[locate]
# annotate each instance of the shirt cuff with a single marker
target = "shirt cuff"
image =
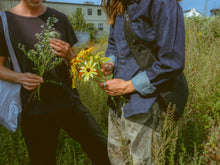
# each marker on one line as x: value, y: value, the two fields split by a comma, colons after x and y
x: 142, y: 84
x: 112, y: 57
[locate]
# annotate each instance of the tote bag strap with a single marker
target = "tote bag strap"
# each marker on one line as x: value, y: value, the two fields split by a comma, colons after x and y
x: 8, y: 41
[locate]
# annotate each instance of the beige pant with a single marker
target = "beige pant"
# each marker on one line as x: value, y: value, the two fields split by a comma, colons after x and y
x: 130, y: 139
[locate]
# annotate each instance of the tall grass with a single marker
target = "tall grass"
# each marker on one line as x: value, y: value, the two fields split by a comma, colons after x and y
x: 193, y: 140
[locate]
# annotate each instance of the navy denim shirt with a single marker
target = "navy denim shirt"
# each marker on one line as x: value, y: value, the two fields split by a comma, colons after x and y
x: 160, y: 24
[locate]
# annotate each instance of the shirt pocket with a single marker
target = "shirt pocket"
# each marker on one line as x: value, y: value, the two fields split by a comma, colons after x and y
x: 144, y: 31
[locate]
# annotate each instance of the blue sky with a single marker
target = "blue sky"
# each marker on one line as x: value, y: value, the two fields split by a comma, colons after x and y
x: 186, y: 4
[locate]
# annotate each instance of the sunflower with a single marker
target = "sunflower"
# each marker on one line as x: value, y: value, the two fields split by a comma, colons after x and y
x: 88, y: 70
x: 88, y: 50
x: 75, y: 61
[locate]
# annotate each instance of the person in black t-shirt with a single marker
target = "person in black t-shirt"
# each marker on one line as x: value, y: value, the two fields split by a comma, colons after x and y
x: 60, y: 105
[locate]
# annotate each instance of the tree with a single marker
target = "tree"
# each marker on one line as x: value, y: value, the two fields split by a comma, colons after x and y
x: 78, y: 21
x: 79, y: 24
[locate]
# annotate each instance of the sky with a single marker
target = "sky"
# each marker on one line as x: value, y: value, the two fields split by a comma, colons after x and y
x: 186, y: 4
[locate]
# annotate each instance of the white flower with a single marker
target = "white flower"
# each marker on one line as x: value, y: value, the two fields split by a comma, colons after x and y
x: 54, y: 34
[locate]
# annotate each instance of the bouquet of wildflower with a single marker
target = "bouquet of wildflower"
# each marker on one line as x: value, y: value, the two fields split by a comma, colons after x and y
x: 42, y: 56
x: 86, y: 66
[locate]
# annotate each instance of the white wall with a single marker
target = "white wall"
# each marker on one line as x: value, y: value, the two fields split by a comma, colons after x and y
x: 68, y: 9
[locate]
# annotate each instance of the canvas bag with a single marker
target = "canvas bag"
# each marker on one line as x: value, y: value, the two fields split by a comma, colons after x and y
x: 10, y: 100
x: 175, y: 91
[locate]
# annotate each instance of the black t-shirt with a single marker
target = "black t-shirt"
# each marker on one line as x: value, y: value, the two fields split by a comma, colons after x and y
x: 22, y: 30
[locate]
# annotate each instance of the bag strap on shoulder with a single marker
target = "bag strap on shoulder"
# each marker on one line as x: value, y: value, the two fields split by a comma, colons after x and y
x: 142, y: 52
x: 8, y: 41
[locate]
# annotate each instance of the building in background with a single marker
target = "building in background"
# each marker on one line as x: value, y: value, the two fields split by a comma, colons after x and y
x: 192, y: 13
x: 7, y: 4
x: 93, y: 14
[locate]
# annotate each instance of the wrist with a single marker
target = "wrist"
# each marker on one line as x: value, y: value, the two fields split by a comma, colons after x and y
x: 129, y: 87
x: 17, y: 78
x: 70, y: 57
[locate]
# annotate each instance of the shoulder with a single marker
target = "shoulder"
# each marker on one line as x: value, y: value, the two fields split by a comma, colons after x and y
x: 166, y: 2
x: 59, y: 15
x: 157, y: 2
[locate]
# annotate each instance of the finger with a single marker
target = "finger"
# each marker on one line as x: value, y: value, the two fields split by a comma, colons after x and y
x: 33, y: 78
x: 57, y: 41
x: 64, y: 45
x: 29, y: 88
x: 103, y: 69
x: 58, y: 53
x: 57, y: 47
x: 109, y: 67
x: 109, y: 93
x: 102, y: 85
x: 106, y: 73
x: 32, y: 81
x: 31, y: 84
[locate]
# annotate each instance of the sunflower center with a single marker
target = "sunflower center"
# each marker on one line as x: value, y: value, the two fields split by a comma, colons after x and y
x: 88, y: 69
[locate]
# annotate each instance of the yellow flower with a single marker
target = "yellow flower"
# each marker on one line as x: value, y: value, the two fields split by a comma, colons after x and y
x: 88, y: 70
x: 199, y: 34
x: 97, y: 56
x: 74, y: 72
x: 104, y: 60
x: 87, y: 51
x: 75, y: 61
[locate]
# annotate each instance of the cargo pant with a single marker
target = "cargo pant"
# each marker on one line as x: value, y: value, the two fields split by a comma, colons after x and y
x: 130, y: 139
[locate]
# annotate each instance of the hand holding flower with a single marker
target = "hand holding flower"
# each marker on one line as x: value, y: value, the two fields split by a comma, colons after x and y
x: 117, y: 87
x: 107, y: 68
x: 62, y: 49
x: 87, y: 66
x: 43, y: 56
x: 29, y: 81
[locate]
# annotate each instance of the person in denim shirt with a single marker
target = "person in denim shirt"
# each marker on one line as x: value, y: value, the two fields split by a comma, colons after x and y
x: 160, y: 24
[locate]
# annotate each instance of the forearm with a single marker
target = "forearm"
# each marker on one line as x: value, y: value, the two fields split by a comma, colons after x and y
x: 8, y: 75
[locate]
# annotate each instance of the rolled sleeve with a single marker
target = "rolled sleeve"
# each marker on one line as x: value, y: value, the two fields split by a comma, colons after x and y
x: 112, y: 57
x: 142, y: 84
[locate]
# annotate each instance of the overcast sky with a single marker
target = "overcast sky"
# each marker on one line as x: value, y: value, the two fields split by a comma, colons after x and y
x: 186, y: 4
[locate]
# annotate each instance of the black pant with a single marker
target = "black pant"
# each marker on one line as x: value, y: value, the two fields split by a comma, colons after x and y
x: 41, y: 135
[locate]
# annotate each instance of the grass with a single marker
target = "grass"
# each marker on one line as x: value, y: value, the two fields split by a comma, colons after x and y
x: 193, y: 140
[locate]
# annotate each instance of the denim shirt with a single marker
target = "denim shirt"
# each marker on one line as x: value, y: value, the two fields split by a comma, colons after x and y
x: 160, y: 24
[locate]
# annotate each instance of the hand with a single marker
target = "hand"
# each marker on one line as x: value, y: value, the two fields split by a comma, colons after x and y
x: 29, y: 81
x: 62, y: 49
x: 107, y: 68
x: 117, y: 87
